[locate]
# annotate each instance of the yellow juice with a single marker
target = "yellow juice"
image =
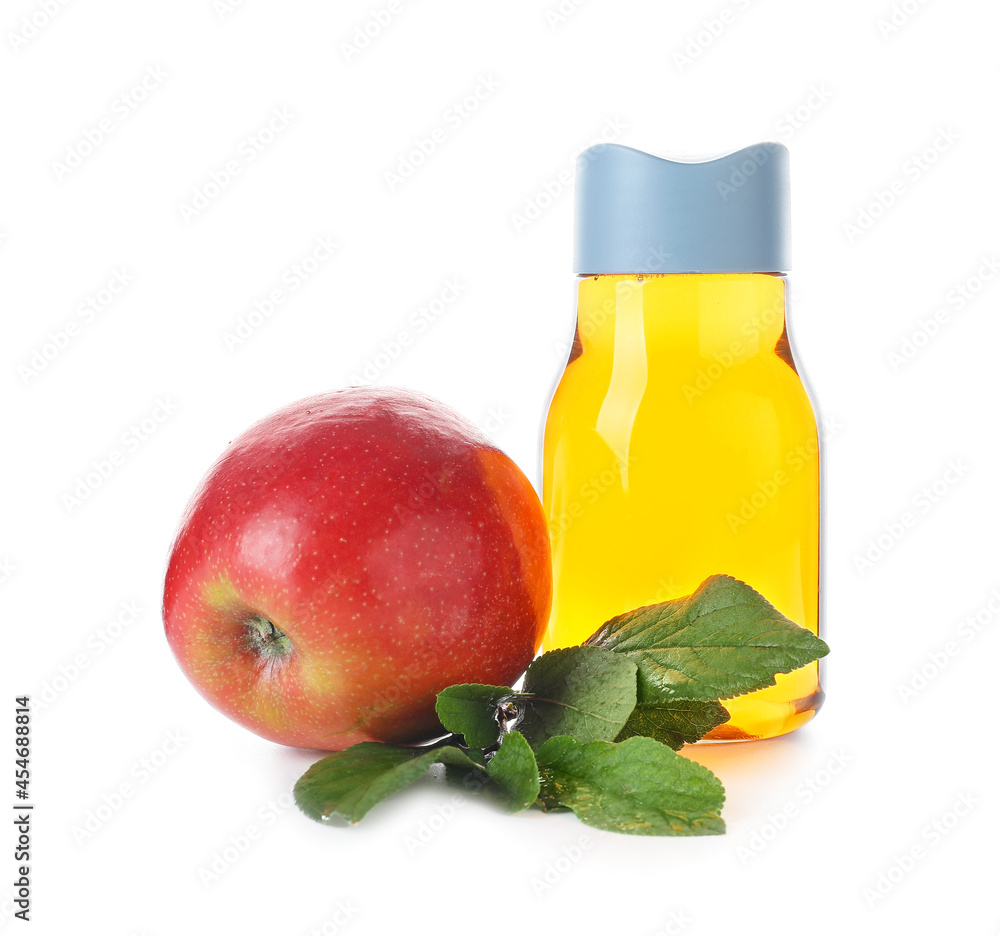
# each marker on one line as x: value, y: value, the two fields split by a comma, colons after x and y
x: 681, y: 443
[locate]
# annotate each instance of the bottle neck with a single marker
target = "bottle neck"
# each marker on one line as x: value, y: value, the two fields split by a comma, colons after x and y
x: 704, y: 314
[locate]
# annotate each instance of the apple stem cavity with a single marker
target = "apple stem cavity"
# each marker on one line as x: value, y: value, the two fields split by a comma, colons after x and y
x: 266, y: 640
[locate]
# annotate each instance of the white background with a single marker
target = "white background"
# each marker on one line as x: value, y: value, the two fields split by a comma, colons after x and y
x: 863, y: 109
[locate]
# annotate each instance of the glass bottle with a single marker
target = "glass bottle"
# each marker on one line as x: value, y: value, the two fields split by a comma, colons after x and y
x: 680, y: 441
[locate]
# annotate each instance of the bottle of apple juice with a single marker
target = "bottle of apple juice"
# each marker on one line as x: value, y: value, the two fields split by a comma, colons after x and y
x: 680, y: 442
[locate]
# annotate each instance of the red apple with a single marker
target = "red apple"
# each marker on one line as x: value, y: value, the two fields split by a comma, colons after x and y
x: 346, y: 559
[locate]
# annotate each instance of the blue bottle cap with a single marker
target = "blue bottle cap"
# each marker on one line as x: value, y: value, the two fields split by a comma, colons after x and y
x: 638, y: 213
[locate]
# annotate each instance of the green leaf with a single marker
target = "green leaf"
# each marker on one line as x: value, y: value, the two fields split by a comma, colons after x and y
x: 722, y: 641
x: 585, y: 692
x: 351, y: 782
x: 515, y: 769
x: 470, y: 710
x: 638, y: 786
x: 674, y: 722
x: 474, y: 780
